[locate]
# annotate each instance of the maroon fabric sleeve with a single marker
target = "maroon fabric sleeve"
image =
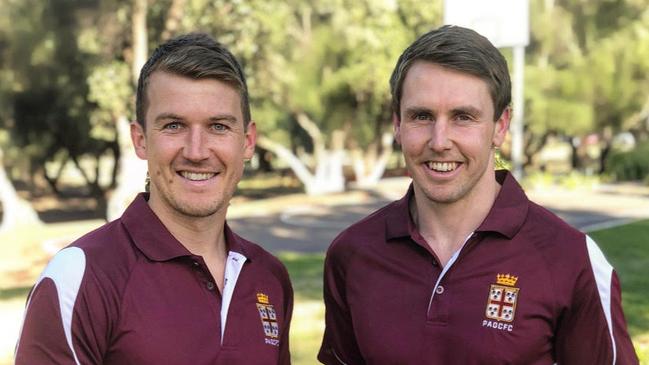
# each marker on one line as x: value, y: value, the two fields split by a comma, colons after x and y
x: 583, y: 336
x: 284, y: 351
x: 339, y: 344
x: 43, y: 340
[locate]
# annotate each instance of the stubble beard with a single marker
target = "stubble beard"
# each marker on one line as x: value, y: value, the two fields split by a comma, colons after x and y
x: 186, y: 209
x: 212, y: 204
x: 433, y: 194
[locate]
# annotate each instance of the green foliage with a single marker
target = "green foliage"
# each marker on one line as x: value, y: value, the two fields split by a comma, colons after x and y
x: 630, y: 165
x: 330, y: 59
x: 587, y: 68
x: 109, y: 87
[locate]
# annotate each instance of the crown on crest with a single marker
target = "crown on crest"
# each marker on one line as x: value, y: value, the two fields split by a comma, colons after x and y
x: 262, y: 298
x: 509, y: 280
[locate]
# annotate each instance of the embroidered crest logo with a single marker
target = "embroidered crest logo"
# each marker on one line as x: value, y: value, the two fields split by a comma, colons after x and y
x: 268, y: 319
x: 501, y: 304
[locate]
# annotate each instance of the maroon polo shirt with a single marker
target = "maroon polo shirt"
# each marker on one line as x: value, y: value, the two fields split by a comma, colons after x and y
x: 525, y: 288
x: 130, y: 293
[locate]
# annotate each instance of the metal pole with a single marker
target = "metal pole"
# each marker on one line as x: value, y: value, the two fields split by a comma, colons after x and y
x: 518, y: 112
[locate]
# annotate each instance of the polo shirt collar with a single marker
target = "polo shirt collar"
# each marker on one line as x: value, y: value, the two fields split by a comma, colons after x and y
x: 398, y: 222
x: 154, y: 239
x: 509, y: 210
x: 506, y: 216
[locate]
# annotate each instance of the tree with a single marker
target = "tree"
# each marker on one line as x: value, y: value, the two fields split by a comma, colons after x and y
x: 15, y: 210
x: 571, y: 42
x: 318, y: 72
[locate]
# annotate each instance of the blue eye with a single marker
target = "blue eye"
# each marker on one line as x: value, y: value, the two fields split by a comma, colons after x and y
x: 172, y: 126
x: 464, y: 118
x: 218, y: 127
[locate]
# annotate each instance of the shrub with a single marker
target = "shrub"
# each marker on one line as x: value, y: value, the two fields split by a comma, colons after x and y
x: 631, y: 165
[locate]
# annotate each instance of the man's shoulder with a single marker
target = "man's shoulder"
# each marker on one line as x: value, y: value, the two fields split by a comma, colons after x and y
x: 555, y: 239
x: 546, y: 222
x: 107, y: 252
x: 109, y: 239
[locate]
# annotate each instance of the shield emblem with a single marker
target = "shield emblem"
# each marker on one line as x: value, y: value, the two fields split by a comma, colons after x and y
x: 268, y: 317
x: 501, y: 305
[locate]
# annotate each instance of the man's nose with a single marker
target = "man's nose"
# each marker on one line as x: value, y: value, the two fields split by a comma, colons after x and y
x: 196, y: 148
x: 439, y: 136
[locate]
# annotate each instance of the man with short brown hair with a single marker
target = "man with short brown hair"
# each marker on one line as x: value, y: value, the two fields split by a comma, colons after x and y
x: 169, y: 282
x: 465, y: 269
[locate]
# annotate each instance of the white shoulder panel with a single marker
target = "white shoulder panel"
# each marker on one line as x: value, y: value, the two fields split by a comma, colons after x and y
x: 603, y: 272
x: 66, y: 271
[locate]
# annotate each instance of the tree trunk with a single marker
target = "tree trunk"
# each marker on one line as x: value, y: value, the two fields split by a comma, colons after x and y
x: 369, y: 166
x: 174, y: 15
x: 140, y: 37
x: 328, y: 176
x: 132, y: 170
x: 15, y: 210
x: 132, y: 173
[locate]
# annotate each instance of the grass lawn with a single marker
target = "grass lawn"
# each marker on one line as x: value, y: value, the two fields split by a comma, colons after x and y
x: 626, y: 247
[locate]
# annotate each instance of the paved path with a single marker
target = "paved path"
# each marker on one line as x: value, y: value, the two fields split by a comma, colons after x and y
x: 300, y: 223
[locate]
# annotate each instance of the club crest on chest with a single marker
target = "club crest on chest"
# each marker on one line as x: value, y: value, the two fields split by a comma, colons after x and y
x: 503, y: 296
x: 268, y: 317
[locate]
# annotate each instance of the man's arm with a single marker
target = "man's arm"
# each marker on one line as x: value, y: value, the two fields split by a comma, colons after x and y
x: 593, y: 330
x: 284, y: 350
x: 339, y: 343
x: 60, y: 325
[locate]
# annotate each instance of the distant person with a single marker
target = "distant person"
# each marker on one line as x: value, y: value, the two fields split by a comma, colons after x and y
x: 464, y: 269
x: 169, y: 282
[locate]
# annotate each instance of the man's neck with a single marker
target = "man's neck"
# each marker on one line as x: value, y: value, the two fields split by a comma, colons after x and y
x: 446, y: 226
x: 202, y: 236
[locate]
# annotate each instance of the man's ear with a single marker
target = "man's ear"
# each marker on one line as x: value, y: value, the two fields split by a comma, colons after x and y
x: 396, y: 124
x: 501, y: 127
x: 139, y: 140
x: 250, y: 140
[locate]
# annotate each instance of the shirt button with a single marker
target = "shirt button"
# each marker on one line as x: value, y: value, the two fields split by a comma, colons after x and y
x: 439, y: 290
x: 210, y: 285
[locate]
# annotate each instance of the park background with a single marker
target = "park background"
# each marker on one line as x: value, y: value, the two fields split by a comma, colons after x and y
x: 318, y: 77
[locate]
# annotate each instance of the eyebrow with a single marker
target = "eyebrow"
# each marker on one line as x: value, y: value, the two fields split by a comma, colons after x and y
x: 223, y: 117
x: 217, y: 118
x: 467, y: 109
x: 167, y: 116
x: 417, y: 110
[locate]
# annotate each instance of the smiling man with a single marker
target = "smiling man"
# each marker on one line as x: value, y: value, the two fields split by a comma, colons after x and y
x: 464, y: 269
x: 169, y: 282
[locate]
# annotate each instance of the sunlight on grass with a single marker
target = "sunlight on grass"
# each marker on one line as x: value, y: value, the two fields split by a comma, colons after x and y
x: 11, y: 314
x: 307, y: 328
x: 28, y: 249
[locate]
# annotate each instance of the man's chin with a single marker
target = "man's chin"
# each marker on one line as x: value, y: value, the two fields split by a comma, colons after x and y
x: 200, y: 209
x: 198, y: 212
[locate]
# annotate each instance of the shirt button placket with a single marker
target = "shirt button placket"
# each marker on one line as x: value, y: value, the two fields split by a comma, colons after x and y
x: 210, y: 286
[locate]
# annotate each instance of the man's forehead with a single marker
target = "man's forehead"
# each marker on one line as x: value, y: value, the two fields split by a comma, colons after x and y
x: 428, y: 82
x: 169, y: 83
